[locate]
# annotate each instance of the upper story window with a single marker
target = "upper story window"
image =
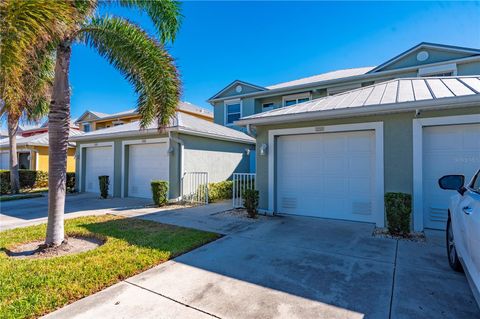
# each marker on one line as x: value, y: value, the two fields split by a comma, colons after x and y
x: 268, y: 106
x: 295, y: 99
x: 233, y: 111
x: 439, y: 70
x: 117, y: 123
x: 86, y: 128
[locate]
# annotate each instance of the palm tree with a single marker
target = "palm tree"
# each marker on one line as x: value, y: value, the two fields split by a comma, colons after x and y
x: 143, y: 61
x: 27, y: 30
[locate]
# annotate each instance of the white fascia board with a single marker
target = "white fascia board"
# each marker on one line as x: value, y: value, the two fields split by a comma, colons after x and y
x: 444, y: 103
x: 362, y: 77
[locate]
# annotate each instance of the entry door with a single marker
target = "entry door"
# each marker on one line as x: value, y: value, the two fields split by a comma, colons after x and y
x: 327, y: 175
x: 99, y: 161
x: 447, y: 149
x: 146, y: 162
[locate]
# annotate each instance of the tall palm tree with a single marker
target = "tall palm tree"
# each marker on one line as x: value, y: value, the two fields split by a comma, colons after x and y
x: 27, y: 30
x: 141, y: 58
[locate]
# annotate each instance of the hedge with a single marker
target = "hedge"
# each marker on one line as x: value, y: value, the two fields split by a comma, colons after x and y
x: 219, y: 191
x: 30, y: 179
x: 399, y: 210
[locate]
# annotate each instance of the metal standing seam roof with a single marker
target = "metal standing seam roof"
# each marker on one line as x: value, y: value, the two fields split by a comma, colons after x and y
x: 395, y: 92
x: 36, y: 140
x: 337, y: 74
x: 181, y: 122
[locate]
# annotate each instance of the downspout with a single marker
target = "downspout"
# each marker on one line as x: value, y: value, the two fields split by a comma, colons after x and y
x: 182, y: 163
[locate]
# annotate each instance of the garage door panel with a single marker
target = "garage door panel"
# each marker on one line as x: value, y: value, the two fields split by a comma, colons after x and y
x: 146, y: 162
x: 448, y: 149
x: 98, y: 162
x: 335, y: 180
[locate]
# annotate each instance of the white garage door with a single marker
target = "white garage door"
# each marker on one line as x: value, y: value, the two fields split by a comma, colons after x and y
x: 327, y: 175
x: 98, y: 162
x: 4, y: 160
x: 146, y: 162
x: 449, y: 149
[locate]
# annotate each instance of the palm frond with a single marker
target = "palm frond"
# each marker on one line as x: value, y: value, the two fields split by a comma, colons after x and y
x: 26, y: 27
x: 144, y: 63
x: 165, y: 15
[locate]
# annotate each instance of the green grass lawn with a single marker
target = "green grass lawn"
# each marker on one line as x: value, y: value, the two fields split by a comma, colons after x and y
x: 6, y: 198
x: 33, y: 287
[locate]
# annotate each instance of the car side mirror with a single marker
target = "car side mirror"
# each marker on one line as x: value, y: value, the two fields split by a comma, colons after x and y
x: 452, y: 182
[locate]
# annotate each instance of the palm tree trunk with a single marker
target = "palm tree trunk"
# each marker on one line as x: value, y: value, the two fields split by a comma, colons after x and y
x: 58, y: 129
x: 12, y: 139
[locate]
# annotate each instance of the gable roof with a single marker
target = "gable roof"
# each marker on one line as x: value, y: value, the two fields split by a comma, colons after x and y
x: 186, y: 106
x: 181, y: 122
x: 234, y: 83
x: 425, y: 45
x: 36, y: 140
x: 332, y: 75
x: 391, y: 96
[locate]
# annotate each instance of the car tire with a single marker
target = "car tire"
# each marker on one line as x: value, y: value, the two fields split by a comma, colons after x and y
x: 453, y: 259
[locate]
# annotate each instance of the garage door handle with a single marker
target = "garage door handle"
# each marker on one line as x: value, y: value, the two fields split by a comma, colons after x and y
x: 467, y: 210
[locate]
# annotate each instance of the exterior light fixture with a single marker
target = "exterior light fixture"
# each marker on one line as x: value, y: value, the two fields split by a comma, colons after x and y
x: 263, y: 149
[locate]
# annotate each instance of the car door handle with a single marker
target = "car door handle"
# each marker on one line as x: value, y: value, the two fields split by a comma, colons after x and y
x: 467, y: 210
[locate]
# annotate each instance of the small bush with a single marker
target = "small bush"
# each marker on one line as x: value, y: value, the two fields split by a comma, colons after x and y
x: 219, y: 191
x: 4, y: 182
x: 399, y: 209
x: 160, y: 192
x: 250, y: 201
x: 104, y: 182
x: 70, y: 182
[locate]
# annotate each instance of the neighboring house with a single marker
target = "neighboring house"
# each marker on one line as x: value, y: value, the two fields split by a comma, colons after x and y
x: 132, y: 157
x: 332, y: 145
x: 32, y: 152
x: 91, y: 121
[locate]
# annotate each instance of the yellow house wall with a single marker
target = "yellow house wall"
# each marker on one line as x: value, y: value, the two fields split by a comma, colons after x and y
x: 43, y: 159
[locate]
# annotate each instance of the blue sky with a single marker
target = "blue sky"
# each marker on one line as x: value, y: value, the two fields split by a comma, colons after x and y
x: 270, y: 42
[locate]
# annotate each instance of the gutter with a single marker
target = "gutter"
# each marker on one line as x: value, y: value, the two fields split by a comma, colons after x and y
x: 366, y: 76
x: 441, y: 104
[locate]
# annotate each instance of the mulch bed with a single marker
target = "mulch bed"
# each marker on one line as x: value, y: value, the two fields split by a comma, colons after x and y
x: 384, y: 233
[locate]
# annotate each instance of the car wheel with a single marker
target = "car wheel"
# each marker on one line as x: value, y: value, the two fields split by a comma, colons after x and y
x: 451, y: 248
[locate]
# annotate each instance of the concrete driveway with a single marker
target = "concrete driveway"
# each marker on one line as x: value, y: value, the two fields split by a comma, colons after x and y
x: 292, y: 267
x: 31, y: 211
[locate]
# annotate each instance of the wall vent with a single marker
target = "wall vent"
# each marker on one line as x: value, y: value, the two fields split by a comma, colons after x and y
x: 289, y: 202
x: 438, y: 214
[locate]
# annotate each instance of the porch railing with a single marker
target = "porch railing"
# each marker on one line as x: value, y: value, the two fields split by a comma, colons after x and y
x: 241, y: 182
x: 194, y: 187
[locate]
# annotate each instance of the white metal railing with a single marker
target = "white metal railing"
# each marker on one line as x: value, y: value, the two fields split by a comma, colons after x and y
x: 194, y: 187
x: 241, y: 182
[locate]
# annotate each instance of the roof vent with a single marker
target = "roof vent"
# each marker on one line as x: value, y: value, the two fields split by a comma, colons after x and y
x: 422, y: 56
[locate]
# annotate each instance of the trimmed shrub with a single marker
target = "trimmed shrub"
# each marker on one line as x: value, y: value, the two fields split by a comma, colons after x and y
x: 104, y: 182
x: 160, y: 192
x: 219, y: 191
x: 28, y: 179
x: 250, y: 201
x: 70, y: 182
x: 399, y: 209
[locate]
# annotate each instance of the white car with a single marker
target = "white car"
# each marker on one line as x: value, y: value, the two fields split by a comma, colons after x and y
x: 463, y: 228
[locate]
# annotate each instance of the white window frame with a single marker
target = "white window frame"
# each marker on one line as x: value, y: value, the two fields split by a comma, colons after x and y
x: 418, y: 125
x: 379, y: 159
x: 80, y: 173
x: 225, y: 107
x: 443, y: 68
x: 296, y: 97
x: 136, y: 142
x: 89, y: 125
